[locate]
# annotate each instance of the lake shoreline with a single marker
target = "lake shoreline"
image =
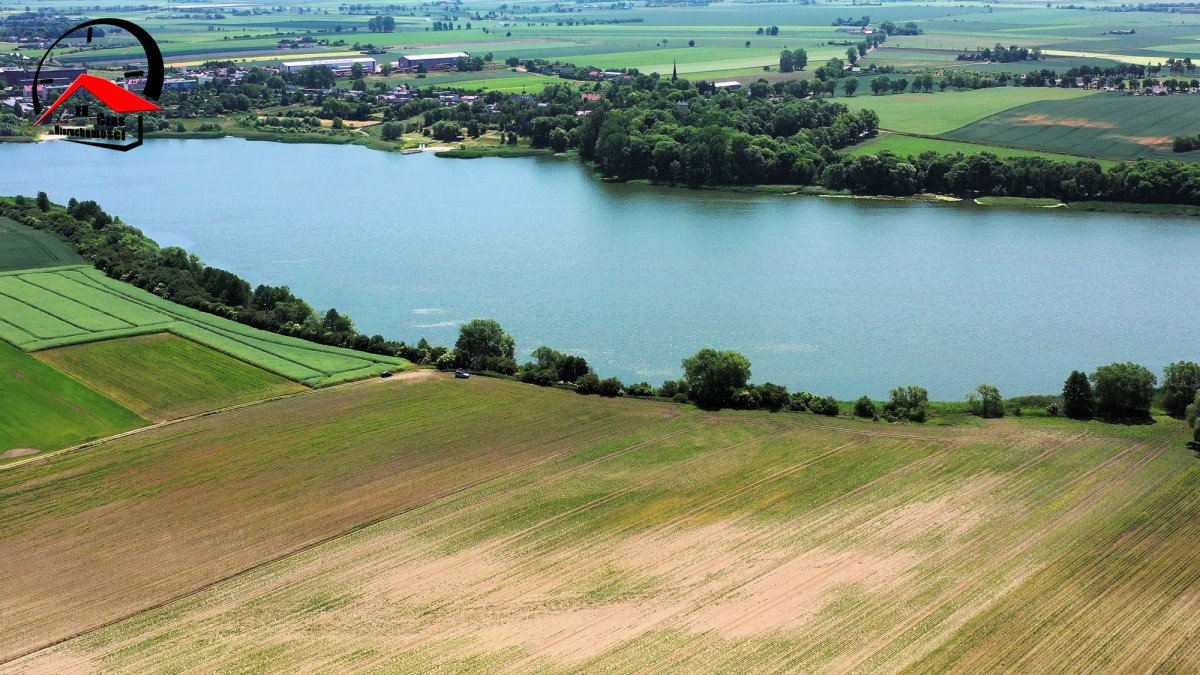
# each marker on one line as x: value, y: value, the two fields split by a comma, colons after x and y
x: 836, y: 295
x: 511, y: 152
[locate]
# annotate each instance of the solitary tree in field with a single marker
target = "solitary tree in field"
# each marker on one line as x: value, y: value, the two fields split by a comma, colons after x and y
x: 714, y: 377
x: 1078, y: 403
x: 850, y: 85
x: 1181, y: 381
x: 43, y: 202
x: 986, y: 402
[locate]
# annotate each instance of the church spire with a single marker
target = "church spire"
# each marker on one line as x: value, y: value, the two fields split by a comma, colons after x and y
x: 674, y: 71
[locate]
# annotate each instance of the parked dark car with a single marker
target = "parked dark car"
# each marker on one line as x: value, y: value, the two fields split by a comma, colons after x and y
x: 461, y: 374
x: 386, y: 373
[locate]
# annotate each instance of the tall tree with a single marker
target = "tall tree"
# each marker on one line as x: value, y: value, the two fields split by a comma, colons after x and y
x: 1123, y: 390
x: 481, y: 342
x: 986, y: 402
x: 1078, y: 403
x: 1181, y: 381
x: 714, y: 377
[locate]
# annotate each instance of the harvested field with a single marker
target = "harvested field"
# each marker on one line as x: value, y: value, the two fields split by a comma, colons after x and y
x: 688, y: 541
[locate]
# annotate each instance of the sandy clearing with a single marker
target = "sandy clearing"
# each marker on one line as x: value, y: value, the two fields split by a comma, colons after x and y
x: 1149, y: 141
x: 19, y: 452
x: 1047, y: 121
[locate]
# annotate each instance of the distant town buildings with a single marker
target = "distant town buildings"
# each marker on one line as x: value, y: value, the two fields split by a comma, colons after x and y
x: 430, y: 61
x: 340, y: 67
x: 22, y: 77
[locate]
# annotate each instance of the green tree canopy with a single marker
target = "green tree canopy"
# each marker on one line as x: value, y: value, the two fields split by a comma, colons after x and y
x: 714, y: 377
x: 1181, y: 381
x: 909, y: 403
x: 986, y: 402
x: 482, y: 341
x: 1123, y: 390
x: 1078, y: 402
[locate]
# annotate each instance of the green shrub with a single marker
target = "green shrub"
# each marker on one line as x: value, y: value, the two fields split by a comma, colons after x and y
x: 864, y: 407
x: 587, y: 383
x: 610, y: 387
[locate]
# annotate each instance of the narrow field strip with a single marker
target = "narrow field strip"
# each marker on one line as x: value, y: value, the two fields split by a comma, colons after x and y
x: 60, y: 307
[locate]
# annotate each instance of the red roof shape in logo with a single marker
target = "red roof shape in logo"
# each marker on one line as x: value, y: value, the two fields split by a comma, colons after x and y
x: 118, y: 99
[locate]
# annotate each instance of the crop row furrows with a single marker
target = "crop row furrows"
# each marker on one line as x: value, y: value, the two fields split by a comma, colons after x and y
x: 253, y: 344
x: 57, y: 315
x: 99, y: 310
x: 267, y: 337
x: 266, y: 589
x: 957, y: 592
x: 816, y: 637
x: 813, y: 637
x: 534, y: 561
x: 649, y: 478
x: 38, y: 331
x: 750, y: 546
x: 1111, y: 575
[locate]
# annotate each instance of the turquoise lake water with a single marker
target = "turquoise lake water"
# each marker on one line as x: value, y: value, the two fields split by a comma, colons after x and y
x: 834, y: 296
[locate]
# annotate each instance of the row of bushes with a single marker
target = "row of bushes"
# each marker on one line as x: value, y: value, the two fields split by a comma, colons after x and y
x: 716, y: 379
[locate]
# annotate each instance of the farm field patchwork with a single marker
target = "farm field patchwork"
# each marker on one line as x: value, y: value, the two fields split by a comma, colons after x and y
x: 43, y: 409
x: 914, y: 145
x: 1123, y: 127
x: 163, y: 376
x: 22, y: 248
x: 618, y: 533
x: 939, y: 113
x: 63, y: 307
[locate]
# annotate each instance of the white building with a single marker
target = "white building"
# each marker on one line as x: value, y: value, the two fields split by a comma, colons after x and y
x: 338, y: 66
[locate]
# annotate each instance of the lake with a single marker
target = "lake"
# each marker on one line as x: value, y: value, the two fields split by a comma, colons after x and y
x: 833, y: 296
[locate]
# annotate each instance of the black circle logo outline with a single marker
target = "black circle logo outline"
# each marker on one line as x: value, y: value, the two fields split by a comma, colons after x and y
x: 154, y: 59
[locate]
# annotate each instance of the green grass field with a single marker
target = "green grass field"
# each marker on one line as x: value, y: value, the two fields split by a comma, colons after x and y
x: 23, y: 248
x: 942, y: 112
x: 914, y: 145
x: 162, y: 376
x: 510, y: 526
x: 1124, y: 127
x: 43, y: 409
x: 61, y: 307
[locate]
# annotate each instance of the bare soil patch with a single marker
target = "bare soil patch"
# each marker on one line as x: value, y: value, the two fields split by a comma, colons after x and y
x: 1047, y: 121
